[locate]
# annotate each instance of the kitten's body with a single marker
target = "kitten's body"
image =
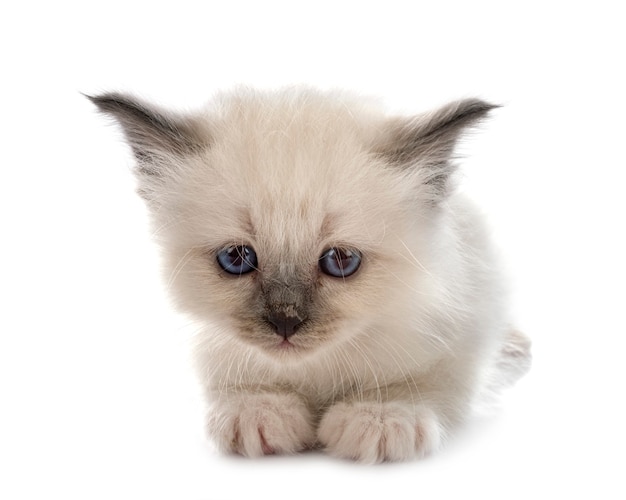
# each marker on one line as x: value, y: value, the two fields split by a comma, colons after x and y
x: 381, y: 363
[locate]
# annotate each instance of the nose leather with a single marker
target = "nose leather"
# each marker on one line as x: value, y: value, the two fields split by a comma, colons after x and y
x: 285, y: 325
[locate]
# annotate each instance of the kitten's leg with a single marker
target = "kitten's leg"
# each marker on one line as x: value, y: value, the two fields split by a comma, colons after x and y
x: 254, y: 424
x: 409, y: 423
x: 402, y: 420
x: 372, y: 432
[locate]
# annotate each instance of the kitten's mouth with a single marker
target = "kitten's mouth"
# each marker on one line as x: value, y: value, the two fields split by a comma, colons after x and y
x: 289, y: 346
x: 301, y: 341
x: 286, y: 345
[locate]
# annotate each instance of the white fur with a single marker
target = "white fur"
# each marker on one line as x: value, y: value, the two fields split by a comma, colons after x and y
x: 255, y: 424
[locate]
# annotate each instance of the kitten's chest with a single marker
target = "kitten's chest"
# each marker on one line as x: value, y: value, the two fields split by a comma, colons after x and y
x: 346, y: 378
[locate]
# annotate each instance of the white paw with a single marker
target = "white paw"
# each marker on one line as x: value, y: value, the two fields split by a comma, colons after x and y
x: 261, y: 424
x: 375, y: 432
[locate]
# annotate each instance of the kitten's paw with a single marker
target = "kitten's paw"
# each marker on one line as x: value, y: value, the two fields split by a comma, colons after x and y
x: 261, y: 424
x: 373, y: 432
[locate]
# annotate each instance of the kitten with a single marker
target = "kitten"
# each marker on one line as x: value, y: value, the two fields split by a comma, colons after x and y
x: 349, y: 296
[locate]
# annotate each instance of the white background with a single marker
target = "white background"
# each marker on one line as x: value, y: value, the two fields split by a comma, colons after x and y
x: 97, y: 399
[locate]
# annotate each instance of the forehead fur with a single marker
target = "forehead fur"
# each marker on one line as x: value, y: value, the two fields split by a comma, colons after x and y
x: 293, y: 167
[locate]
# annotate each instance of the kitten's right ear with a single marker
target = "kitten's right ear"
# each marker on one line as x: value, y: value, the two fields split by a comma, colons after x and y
x: 426, y: 143
x: 155, y: 136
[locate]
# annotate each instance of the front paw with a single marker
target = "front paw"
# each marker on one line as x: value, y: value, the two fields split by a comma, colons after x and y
x: 261, y: 424
x: 374, y: 432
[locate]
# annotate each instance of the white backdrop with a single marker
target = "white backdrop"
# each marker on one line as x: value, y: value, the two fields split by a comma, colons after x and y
x: 97, y: 399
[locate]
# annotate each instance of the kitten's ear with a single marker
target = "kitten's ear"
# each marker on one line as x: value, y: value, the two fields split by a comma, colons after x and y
x: 154, y: 135
x: 427, y: 142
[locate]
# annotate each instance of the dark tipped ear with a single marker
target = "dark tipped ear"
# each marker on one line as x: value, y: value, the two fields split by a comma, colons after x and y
x: 151, y: 133
x: 428, y: 141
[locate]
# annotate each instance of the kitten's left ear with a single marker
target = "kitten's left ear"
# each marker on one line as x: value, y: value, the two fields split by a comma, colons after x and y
x: 427, y: 142
x: 155, y: 136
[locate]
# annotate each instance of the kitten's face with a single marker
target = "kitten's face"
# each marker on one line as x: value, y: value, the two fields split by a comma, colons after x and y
x: 293, y: 222
x: 301, y: 200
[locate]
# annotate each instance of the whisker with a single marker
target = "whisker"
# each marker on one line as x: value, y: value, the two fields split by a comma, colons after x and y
x: 179, y: 267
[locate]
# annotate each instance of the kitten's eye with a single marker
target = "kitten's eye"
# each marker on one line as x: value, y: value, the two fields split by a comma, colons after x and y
x: 340, y: 262
x: 237, y: 260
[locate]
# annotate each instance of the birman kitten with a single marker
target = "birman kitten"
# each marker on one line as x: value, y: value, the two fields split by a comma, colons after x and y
x: 348, y: 294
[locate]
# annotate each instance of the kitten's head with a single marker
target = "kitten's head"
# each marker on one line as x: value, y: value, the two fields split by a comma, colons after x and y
x: 295, y: 220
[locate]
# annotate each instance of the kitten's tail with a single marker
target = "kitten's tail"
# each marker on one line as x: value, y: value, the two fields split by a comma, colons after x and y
x: 514, y: 358
x: 511, y: 362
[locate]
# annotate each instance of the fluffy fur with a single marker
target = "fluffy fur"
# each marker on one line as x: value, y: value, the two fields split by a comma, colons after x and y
x: 386, y: 361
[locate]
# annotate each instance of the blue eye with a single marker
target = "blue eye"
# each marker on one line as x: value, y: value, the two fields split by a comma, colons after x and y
x: 237, y: 260
x: 340, y: 262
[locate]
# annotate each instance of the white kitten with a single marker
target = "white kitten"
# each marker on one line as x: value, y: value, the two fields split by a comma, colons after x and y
x: 349, y: 295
